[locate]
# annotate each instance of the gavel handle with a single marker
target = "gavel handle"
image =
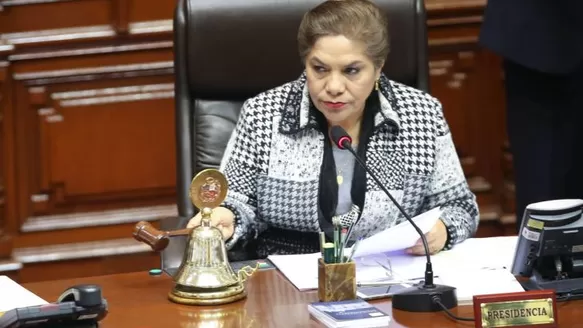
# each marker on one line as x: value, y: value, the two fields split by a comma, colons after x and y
x: 181, y: 232
x: 157, y: 239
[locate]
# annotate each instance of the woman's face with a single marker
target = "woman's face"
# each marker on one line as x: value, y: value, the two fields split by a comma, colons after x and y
x: 340, y: 78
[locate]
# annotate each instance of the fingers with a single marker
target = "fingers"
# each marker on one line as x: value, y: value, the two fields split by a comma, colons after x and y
x: 419, y: 249
x: 217, y: 220
x: 226, y: 230
x: 194, y: 222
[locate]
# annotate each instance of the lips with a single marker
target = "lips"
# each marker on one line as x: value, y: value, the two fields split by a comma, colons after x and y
x: 334, y: 105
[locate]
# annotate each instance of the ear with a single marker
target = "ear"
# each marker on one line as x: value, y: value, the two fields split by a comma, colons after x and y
x: 379, y: 70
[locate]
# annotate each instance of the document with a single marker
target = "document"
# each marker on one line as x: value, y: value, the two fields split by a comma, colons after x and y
x: 471, y: 282
x: 13, y: 295
x: 302, y: 270
x: 399, y: 237
x: 495, y: 253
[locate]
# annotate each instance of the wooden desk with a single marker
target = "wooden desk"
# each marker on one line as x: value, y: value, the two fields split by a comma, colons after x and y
x: 139, y: 300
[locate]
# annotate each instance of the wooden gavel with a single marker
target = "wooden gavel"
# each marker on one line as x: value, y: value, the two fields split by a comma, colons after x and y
x: 157, y: 239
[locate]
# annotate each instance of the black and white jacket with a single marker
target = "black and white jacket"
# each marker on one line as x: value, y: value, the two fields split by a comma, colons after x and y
x: 273, y: 160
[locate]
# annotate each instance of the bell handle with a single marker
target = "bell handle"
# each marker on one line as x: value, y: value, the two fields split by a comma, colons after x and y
x: 157, y: 239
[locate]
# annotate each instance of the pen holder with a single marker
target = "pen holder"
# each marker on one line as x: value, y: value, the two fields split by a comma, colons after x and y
x: 336, y: 281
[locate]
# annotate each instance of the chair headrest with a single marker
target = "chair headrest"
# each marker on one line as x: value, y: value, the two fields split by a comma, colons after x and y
x: 242, y: 47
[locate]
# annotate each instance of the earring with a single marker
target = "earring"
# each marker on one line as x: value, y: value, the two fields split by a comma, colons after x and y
x: 376, y: 85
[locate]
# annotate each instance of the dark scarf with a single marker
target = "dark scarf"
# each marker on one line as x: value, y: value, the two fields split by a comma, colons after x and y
x: 328, y: 186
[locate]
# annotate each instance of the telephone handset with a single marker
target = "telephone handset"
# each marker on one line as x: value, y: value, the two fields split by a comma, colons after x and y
x: 80, y: 306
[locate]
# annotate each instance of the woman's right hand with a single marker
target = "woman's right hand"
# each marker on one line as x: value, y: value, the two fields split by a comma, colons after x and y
x: 221, y: 217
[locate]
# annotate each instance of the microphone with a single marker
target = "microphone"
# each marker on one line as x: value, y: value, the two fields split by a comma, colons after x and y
x: 426, y: 296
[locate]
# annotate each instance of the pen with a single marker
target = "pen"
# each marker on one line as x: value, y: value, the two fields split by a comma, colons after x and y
x: 322, y: 242
x: 353, y: 249
x: 342, y: 243
x: 385, y: 283
x: 390, y: 282
x: 335, y: 221
x: 381, y: 283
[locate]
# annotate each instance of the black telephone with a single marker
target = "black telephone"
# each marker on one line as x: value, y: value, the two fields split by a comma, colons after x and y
x: 80, y: 306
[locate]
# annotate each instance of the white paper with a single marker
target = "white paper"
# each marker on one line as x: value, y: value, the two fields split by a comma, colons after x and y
x: 13, y: 295
x: 399, y: 237
x: 492, y: 252
x: 472, y: 255
x: 473, y: 282
x: 302, y: 270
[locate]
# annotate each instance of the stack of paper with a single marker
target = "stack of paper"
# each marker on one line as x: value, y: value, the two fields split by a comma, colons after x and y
x: 302, y: 270
x: 13, y: 296
x: 475, y: 266
x: 480, y: 282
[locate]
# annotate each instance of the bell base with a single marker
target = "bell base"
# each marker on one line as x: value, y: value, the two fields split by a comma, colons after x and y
x: 200, y: 296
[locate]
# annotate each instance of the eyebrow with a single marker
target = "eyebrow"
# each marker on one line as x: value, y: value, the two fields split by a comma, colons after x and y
x: 354, y: 63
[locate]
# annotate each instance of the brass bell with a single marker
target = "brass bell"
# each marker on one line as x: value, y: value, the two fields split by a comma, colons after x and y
x: 205, y: 275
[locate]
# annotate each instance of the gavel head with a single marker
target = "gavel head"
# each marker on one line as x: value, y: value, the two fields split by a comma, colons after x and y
x: 145, y: 232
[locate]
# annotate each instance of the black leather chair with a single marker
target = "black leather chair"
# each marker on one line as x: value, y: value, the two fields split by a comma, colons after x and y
x: 228, y: 51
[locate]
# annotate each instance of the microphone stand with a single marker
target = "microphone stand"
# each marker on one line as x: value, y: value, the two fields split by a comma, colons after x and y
x: 425, y: 296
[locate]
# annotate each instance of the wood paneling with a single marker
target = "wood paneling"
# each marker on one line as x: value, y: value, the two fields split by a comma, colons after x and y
x: 88, y: 88
x: 95, y: 131
x: 22, y: 16
x: 87, y: 135
x: 154, y: 11
x: 7, y: 182
x: 87, y: 267
x: 96, y: 143
x: 466, y: 79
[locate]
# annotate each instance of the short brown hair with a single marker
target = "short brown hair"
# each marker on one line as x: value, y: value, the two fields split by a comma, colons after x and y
x: 357, y: 20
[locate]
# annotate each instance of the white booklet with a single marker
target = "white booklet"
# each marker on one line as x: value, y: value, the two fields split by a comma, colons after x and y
x: 13, y: 295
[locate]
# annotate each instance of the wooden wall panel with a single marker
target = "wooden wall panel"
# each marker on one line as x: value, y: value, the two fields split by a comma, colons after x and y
x: 25, y: 15
x: 93, y: 141
x: 461, y: 78
x: 154, y: 11
x: 99, y: 143
x: 87, y: 267
x: 4, y: 90
x: 7, y: 182
x: 98, y: 135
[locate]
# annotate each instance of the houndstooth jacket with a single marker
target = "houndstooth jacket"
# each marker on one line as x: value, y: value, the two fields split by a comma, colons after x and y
x: 273, y: 157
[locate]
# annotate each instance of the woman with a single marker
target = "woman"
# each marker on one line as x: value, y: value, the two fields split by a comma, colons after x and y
x: 287, y: 179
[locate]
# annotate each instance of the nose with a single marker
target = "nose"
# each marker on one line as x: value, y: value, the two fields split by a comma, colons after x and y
x: 335, y: 84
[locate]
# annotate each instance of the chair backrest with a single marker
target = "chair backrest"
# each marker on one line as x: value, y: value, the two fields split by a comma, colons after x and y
x: 228, y: 51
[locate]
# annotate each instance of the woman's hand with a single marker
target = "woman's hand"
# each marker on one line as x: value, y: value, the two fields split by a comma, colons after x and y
x: 436, y: 239
x: 221, y: 217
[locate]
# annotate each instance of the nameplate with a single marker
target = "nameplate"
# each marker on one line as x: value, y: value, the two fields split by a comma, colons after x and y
x: 523, y: 309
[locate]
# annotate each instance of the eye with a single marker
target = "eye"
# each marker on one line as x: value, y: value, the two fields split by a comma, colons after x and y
x: 352, y: 70
x: 319, y: 69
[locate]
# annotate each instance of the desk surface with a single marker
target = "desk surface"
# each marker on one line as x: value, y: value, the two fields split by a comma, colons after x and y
x: 140, y: 300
